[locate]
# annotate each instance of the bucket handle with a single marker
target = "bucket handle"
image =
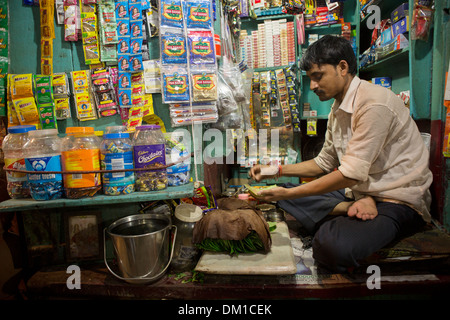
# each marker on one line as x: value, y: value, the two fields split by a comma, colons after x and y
x: 143, y: 277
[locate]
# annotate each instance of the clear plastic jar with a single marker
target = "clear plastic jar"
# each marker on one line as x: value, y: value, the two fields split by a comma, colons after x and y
x: 43, y: 153
x: 81, y: 152
x: 117, y: 154
x: 12, y: 146
x: 149, y: 151
x: 115, y: 129
x: 185, y: 253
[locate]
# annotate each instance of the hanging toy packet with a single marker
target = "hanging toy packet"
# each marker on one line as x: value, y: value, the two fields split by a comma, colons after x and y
x: 201, y: 47
x: 171, y: 13
x: 197, y: 14
x: 175, y: 85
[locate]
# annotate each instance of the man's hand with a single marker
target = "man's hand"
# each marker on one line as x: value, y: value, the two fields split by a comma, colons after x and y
x: 274, y: 194
x: 260, y: 172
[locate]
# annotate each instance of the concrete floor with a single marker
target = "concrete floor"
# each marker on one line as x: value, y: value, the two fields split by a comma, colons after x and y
x: 7, y: 270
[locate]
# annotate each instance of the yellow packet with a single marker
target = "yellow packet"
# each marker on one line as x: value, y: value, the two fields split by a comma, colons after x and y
x: 154, y: 119
x: 85, y: 109
x: 148, y: 105
x: 62, y: 108
x: 21, y: 86
x: 80, y: 81
x: 13, y: 120
x: 253, y: 190
x: 26, y: 110
x: 47, y: 48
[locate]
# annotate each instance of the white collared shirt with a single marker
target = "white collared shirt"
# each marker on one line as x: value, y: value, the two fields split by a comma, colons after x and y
x: 372, y: 138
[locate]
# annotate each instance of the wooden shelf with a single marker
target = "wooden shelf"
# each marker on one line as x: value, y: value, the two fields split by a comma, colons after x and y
x: 175, y: 192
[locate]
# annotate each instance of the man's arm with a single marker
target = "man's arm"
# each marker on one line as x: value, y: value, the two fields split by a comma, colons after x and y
x: 302, y: 169
x: 330, y: 182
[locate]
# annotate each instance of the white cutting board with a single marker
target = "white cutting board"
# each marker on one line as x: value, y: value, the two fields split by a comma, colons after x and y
x: 279, y: 260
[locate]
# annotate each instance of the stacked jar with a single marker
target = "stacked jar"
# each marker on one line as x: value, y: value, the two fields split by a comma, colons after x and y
x: 43, y: 154
x: 12, y: 146
x: 117, y: 154
x: 81, y: 152
x: 149, y: 150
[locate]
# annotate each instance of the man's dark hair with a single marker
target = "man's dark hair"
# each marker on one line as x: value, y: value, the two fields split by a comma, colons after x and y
x: 329, y: 50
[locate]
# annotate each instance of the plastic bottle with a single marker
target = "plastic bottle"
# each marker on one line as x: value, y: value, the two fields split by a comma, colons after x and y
x: 17, y: 183
x: 185, y: 253
x: 117, y: 154
x: 149, y: 150
x: 43, y: 153
x: 81, y: 152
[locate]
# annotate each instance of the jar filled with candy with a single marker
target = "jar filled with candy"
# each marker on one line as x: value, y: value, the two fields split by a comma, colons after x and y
x: 81, y: 152
x: 17, y: 183
x: 149, y: 151
x: 117, y: 154
x: 43, y: 154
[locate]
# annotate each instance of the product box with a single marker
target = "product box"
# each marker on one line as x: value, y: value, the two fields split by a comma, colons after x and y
x: 385, y: 82
x: 400, y: 12
x: 401, y: 26
x: 398, y: 43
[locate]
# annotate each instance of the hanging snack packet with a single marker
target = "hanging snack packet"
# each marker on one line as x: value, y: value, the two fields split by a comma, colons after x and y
x: 26, y: 109
x: 124, y: 98
x: 80, y: 81
x: 201, y: 47
x: 135, y: 11
x: 47, y: 116
x: 175, y: 86
x: 197, y: 14
x: 136, y: 28
x: 124, y: 80
x: 136, y: 62
x: 60, y: 84
x: 85, y: 109
x: 171, y: 13
x: 204, y: 86
x: 136, y: 45
x: 43, y: 89
x: 123, y: 62
x: 173, y: 49
x: 121, y: 9
x: 124, y: 45
x: 123, y: 27
x: 62, y: 108
x: 22, y: 86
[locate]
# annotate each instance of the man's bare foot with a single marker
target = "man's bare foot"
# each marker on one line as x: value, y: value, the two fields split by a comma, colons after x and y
x: 364, y: 209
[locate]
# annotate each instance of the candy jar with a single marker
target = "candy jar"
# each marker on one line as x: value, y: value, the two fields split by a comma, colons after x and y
x: 149, y: 151
x: 17, y: 183
x: 117, y: 154
x: 81, y: 152
x: 43, y: 154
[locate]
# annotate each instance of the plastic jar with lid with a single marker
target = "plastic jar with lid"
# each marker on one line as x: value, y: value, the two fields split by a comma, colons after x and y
x: 43, y: 154
x: 117, y: 154
x: 12, y: 146
x: 149, y: 151
x: 115, y: 129
x: 81, y: 152
x: 185, y: 253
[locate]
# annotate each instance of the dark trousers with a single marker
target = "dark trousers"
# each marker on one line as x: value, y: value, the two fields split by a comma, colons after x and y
x: 340, y: 242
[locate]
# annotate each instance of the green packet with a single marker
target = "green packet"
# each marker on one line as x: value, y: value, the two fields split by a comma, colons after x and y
x: 253, y: 190
x: 43, y: 89
x: 47, y: 116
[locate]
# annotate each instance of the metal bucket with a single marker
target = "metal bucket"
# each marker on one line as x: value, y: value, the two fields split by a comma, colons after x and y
x: 143, y: 246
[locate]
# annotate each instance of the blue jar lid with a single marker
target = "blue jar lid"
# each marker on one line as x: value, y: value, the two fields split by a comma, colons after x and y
x: 116, y: 135
x: 21, y: 129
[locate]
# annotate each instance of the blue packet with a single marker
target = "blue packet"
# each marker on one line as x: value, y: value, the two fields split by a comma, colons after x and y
x: 201, y: 47
x: 124, y: 80
x: 197, y: 14
x: 124, y: 96
x: 136, y: 28
x: 171, y: 13
x: 136, y: 45
x: 134, y: 10
x: 122, y: 10
x: 123, y: 62
x: 123, y: 46
x: 123, y: 27
x: 175, y: 85
x: 173, y: 49
x: 136, y: 62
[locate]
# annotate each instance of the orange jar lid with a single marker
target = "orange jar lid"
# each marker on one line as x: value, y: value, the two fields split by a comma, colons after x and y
x: 79, y: 130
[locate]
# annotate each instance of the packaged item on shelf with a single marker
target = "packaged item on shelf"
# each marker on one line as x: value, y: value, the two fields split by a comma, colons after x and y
x: 149, y: 151
x: 14, y: 157
x: 117, y: 154
x: 27, y: 112
x: 173, y: 47
x: 81, y: 152
x: 103, y: 91
x: 43, y: 154
x: 197, y: 14
x: 201, y: 47
x: 47, y: 116
x: 72, y: 25
x: 178, y: 174
x: 175, y: 86
x: 204, y: 85
x: 171, y: 13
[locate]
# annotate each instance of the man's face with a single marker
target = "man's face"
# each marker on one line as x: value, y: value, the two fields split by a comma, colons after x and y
x: 326, y: 81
